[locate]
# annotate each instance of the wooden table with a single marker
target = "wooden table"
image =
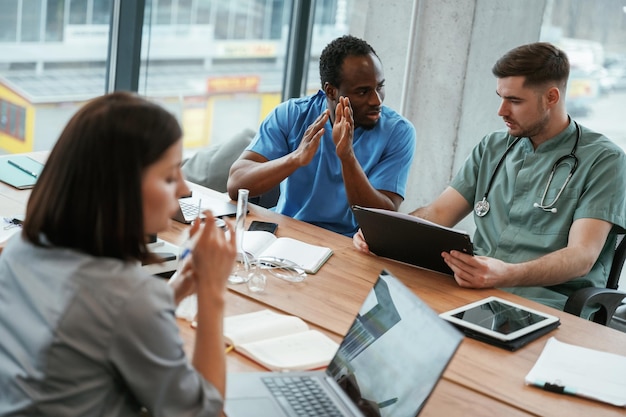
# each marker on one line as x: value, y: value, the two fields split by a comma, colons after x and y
x: 481, y: 380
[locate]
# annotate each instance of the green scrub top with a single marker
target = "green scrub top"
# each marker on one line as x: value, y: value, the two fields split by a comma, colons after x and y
x: 514, y: 230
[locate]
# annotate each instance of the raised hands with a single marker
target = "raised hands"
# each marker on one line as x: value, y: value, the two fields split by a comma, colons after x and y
x: 343, y: 133
x: 343, y: 128
x: 311, y: 140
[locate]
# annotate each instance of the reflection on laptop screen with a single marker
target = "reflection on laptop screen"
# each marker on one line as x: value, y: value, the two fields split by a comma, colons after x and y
x: 392, y: 322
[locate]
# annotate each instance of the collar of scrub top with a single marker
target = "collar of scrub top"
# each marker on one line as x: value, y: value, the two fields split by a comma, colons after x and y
x: 482, y: 207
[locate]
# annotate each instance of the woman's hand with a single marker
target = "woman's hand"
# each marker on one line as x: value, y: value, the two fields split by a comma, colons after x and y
x: 213, y: 257
x: 182, y: 282
x: 212, y: 261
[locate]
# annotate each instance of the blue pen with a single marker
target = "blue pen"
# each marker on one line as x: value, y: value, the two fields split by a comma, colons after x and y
x: 186, y: 252
x: 190, y: 243
x: 188, y: 247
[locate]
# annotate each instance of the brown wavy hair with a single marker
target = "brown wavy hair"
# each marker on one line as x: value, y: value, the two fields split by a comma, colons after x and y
x: 88, y: 196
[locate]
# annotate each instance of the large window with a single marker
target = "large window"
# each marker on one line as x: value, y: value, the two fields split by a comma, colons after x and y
x: 8, y: 24
x: 219, y: 65
x: 12, y: 120
x: 53, y: 57
x: 30, y: 23
x: 594, y: 36
x: 221, y: 73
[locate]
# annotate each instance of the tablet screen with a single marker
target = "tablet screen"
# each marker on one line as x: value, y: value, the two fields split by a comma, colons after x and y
x: 499, y: 318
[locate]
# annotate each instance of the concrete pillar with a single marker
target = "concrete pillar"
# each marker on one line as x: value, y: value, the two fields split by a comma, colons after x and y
x: 437, y: 56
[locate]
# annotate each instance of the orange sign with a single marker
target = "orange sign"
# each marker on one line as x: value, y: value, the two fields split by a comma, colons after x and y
x: 243, y: 84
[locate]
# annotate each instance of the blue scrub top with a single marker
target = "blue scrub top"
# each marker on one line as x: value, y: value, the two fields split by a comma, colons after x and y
x: 316, y: 192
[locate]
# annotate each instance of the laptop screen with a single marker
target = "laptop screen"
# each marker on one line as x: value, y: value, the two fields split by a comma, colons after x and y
x: 394, y: 353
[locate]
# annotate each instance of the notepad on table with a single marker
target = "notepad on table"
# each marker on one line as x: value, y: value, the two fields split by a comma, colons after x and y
x: 277, y: 341
x: 575, y: 370
x: 261, y: 244
x: 19, y: 171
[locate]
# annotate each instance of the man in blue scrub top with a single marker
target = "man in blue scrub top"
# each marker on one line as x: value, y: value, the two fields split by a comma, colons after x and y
x: 334, y: 149
x: 536, y: 237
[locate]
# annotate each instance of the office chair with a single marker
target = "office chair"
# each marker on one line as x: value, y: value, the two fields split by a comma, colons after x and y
x: 267, y: 199
x: 608, y: 299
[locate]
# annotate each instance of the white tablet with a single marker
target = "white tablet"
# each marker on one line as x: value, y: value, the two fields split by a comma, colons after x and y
x: 499, y: 319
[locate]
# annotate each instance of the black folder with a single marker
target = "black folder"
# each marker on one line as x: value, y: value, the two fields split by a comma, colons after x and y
x: 410, y: 239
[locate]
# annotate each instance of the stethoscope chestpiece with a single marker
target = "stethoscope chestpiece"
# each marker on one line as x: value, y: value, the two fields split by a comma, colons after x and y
x: 482, y: 207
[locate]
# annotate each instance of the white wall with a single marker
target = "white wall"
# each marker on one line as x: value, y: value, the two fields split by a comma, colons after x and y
x: 437, y: 56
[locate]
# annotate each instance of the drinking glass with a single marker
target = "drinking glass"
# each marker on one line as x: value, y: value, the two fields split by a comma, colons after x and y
x: 242, y: 265
x: 256, y: 277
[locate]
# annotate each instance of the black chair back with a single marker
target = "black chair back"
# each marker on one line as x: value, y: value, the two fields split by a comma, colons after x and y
x: 618, y: 262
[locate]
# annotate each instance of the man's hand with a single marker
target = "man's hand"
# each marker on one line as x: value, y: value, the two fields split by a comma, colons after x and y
x: 475, y: 271
x: 343, y: 129
x: 311, y: 139
x: 358, y: 240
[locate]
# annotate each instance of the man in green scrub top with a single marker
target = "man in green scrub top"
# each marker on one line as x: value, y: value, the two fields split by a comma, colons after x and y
x: 536, y: 237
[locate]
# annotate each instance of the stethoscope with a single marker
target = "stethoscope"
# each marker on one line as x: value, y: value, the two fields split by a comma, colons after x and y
x: 482, y: 207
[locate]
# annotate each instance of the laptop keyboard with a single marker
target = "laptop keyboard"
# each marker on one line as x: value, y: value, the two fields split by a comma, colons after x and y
x: 190, y: 211
x: 301, y: 396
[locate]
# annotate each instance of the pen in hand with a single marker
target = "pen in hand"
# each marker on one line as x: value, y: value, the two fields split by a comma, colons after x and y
x: 191, y: 242
x: 184, y: 253
x: 188, y: 247
x: 21, y: 168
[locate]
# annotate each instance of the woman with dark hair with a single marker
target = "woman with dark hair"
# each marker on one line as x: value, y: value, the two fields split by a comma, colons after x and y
x: 83, y: 329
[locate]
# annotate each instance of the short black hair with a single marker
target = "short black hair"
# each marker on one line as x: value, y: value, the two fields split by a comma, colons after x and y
x: 335, y: 53
x: 88, y: 196
x: 539, y: 62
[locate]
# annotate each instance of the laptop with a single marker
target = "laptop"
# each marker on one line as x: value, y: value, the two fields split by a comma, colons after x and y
x: 188, y: 207
x: 388, y: 364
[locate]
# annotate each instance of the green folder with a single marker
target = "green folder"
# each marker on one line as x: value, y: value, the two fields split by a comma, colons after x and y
x: 19, y: 171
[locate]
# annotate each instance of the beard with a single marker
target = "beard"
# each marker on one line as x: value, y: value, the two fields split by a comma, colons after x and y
x: 366, y: 124
x: 535, y: 128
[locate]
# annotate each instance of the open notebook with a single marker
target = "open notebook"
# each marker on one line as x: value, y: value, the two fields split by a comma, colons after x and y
x: 388, y: 364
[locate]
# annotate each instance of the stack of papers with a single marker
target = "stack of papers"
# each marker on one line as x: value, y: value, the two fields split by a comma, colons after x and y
x: 575, y: 370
